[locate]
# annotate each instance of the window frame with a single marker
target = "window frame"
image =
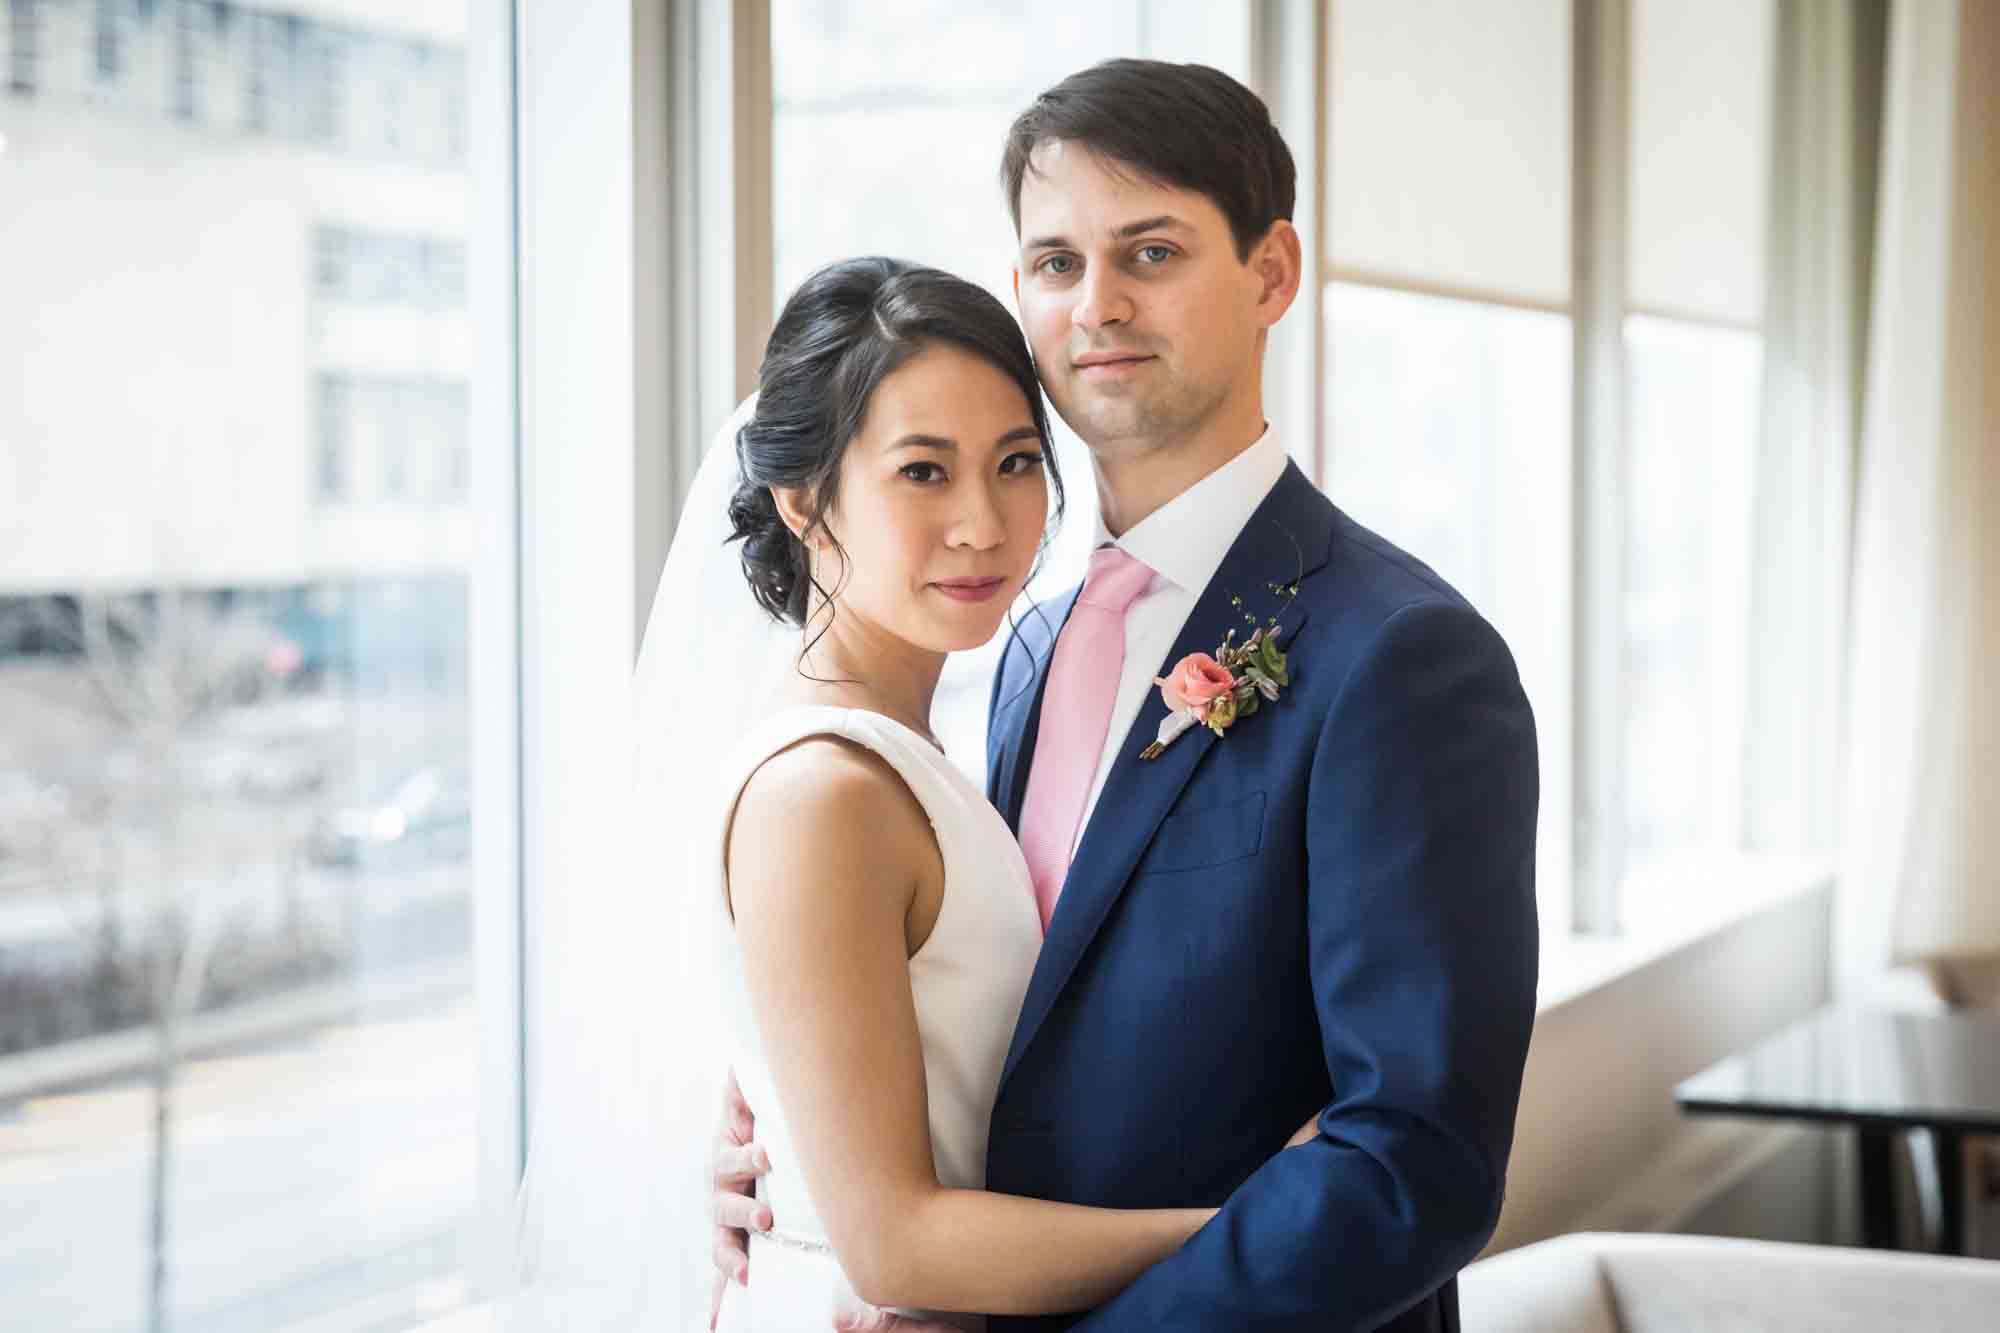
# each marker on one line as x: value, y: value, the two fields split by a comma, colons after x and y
x: 1600, y: 128
x: 635, y: 154
x: 599, y: 324
x: 499, y: 807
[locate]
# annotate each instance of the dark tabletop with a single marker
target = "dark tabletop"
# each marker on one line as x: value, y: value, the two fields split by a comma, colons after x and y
x: 1853, y: 1065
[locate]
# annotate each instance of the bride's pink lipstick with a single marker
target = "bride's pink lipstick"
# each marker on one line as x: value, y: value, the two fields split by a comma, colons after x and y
x: 969, y: 590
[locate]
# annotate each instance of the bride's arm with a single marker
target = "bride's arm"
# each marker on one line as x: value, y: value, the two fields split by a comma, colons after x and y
x: 825, y: 857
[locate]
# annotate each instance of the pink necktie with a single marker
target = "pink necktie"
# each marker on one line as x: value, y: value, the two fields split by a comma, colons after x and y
x: 1076, y: 713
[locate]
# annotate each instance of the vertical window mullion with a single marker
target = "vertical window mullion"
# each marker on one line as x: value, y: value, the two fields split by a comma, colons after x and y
x: 1288, y: 70
x: 706, y: 266
x: 1598, y: 201
x: 732, y: 218
x: 492, y: 290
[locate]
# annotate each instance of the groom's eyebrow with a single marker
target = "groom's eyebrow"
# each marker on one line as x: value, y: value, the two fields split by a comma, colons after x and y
x: 1164, y: 222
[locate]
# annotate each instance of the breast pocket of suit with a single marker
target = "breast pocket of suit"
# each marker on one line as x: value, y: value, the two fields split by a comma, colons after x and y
x: 1202, y: 836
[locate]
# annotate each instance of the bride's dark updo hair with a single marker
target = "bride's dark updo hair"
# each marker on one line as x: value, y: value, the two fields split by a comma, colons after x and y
x: 842, y: 333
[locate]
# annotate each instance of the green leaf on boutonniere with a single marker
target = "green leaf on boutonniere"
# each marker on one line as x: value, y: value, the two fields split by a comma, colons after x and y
x: 1272, y: 661
x: 1246, y: 704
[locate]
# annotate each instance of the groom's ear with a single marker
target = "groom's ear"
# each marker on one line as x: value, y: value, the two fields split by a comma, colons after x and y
x: 1278, y: 260
x: 1015, y: 270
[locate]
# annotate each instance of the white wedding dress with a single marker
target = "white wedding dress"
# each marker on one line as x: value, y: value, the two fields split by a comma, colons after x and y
x: 967, y: 980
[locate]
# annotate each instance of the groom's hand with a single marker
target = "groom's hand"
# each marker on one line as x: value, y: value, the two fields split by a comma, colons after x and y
x: 738, y: 1162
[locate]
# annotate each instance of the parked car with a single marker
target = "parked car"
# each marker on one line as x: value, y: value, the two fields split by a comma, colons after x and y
x: 425, y: 817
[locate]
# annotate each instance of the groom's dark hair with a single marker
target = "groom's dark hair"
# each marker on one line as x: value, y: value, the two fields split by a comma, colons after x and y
x: 1185, y: 126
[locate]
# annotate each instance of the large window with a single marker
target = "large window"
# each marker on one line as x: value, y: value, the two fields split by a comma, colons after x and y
x: 239, y: 1049
x: 1449, y: 327
x: 1465, y: 421
x: 1698, y: 173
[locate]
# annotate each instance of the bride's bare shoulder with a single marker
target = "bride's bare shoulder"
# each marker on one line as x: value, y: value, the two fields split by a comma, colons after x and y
x: 826, y: 775
x: 831, y: 808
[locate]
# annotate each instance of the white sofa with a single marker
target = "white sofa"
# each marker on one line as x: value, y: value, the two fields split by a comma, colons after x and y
x: 1604, y: 1283
x: 1601, y: 1283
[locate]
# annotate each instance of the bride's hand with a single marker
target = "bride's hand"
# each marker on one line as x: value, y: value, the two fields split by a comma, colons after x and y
x: 862, y: 1318
x: 738, y: 1161
x: 1306, y: 1133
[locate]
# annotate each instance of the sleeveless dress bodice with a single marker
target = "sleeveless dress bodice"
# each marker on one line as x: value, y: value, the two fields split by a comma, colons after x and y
x: 967, y: 981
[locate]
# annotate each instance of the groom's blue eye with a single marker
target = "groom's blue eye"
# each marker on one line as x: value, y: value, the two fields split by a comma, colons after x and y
x: 1048, y: 265
x: 1156, y: 254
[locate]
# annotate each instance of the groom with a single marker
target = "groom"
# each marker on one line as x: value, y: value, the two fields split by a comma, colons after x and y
x: 1321, y: 908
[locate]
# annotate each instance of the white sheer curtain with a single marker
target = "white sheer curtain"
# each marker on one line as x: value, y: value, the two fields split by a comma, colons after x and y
x: 1921, y: 863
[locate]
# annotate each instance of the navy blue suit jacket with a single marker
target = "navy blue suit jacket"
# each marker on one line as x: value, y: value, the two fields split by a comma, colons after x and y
x: 1330, y: 910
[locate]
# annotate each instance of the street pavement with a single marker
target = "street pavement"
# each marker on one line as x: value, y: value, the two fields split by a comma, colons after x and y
x: 324, y: 1185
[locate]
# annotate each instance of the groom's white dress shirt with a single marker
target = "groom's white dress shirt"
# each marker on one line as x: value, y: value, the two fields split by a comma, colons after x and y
x: 1183, y: 542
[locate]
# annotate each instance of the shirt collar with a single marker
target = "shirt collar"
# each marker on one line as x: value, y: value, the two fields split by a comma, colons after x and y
x: 1185, y: 539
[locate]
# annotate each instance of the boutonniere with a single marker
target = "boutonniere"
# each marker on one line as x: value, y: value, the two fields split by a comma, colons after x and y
x: 1215, y: 691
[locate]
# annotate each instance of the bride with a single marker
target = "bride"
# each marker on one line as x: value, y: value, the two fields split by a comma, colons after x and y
x: 856, y: 927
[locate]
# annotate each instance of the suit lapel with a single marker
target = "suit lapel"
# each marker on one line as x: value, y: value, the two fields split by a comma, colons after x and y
x: 1286, y: 539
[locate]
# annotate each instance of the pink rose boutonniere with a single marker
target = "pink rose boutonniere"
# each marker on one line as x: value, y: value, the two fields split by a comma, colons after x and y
x: 1214, y: 692
x: 1198, y: 681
